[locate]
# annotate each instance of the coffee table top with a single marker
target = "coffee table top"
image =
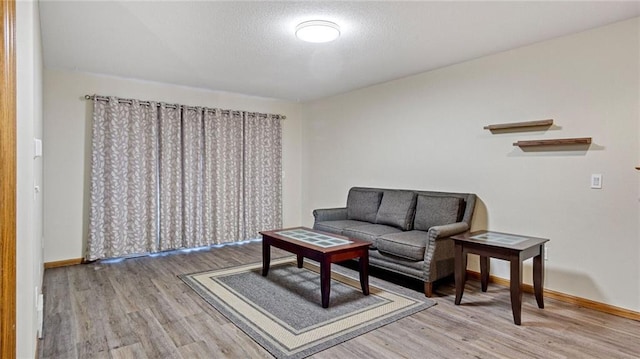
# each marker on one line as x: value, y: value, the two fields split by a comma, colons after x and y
x: 311, y: 238
x: 316, y: 238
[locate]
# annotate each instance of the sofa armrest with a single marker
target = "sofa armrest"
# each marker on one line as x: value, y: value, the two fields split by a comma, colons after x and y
x: 439, y: 254
x: 447, y: 230
x: 330, y: 214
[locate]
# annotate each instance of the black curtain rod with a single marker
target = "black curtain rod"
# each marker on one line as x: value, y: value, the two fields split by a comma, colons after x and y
x: 147, y: 103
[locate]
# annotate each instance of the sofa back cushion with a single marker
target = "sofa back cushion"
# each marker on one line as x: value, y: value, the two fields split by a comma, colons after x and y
x: 397, y: 209
x: 436, y: 211
x: 363, y: 205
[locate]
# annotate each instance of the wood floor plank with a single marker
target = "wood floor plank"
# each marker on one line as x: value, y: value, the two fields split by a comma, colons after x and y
x: 90, y: 338
x: 60, y: 322
x: 179, y: 333
x: 222, y: 337
x: 195, y: 350
x: 153, y: 337
x: 117, y: 327
x: 133, y: 351
x: 249, y: 348
x: 139, y: 308
x: 59, y: 327
x: 200, y: 325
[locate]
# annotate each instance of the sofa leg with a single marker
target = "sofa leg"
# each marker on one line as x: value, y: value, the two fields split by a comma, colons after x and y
x: 428, y: 289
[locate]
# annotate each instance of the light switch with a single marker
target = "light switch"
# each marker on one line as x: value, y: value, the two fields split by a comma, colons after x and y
x: 596, y: 181
x: 37, y: 147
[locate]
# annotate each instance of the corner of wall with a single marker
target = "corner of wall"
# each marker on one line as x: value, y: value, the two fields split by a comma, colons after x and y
x: 29, y: 221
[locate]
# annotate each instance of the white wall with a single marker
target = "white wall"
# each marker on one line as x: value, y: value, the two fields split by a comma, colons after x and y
x: 29, y: 225
x: 68, y: 142
x: 426, y: 132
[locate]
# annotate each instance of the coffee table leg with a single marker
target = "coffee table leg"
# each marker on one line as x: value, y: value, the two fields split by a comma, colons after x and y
x: 266, y: 257
x: 300, y: 260
x: 364, y: 271
x: 516, y: 290
x: 460, y: 268
x: 325, y: 281
x: 538, y: 277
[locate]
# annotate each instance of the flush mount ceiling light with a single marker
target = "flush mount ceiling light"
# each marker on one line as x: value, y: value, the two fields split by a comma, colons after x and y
x: 317, y: 31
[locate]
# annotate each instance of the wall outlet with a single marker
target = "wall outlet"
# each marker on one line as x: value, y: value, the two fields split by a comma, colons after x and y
x: 546, y: 252
x: 596, y: 181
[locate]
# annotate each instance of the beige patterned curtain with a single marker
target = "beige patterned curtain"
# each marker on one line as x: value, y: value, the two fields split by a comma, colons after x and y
x: 123, y: 192
x: 204, y: 205
x: 167, y: 177
x: 170, y: 152
x: 193, y: 175
x: 223, y: 177
x: 262, y: 173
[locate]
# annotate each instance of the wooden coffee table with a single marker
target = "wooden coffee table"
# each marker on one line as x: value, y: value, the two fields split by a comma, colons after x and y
x: 322, y: 247
x: 510, y: 247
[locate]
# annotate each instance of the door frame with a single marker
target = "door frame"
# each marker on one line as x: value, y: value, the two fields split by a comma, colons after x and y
x: 8, y: 152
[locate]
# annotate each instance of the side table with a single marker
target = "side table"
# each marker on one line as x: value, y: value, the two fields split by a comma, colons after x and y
x: 511, y: 247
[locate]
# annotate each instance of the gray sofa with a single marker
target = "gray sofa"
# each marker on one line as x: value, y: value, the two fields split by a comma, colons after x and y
x: 409, y: 230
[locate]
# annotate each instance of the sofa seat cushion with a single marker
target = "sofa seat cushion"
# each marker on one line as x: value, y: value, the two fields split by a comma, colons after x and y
x: 437, y: 211
x: 363, y: 205
x: 397, y: 209
x: 369, y: 232
x: 409, y: 245
x: 337, y: 227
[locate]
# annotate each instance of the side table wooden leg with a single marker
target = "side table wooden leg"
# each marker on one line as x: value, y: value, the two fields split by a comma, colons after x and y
x: 484, y: 272
x: 300, y: 260
x: 538, y: 277
x: 325, y: 281
x: 266, y: 257
x: 516, y: 288
x: 460, y: 269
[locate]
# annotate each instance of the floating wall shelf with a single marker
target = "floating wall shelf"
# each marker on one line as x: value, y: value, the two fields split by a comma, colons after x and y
x: 555, y: 142
x: 507, y: 126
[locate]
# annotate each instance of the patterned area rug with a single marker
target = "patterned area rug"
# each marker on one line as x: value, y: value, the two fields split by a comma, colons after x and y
x: 282, y: 312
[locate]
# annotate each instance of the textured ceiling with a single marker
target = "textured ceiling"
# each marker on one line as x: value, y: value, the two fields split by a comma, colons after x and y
x: 249, y: 47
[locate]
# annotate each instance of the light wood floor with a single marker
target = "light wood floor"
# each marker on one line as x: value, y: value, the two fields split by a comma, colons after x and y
x: 138, y: 308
